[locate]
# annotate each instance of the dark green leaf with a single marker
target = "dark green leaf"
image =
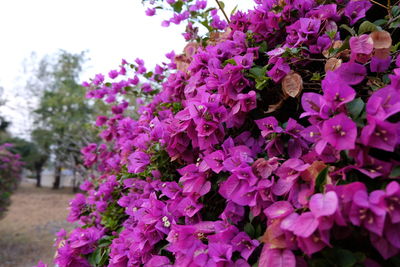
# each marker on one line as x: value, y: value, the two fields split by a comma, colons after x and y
x: 258, y: 72
x: 355, y: 107
x: 105, y: 241
x: 148, y: 74
x: 345, y: 258
x: 360, y: 256
x: 386, y: 79
x: 321, y: 180
x: 258, y: 231
x: 319, y: 262
x: 395, y: 24
x: 249, y: 229
x: 395, y: 172
x: 177, y: 6
x: 395, y: 11
x: 380, y: 22
x: 95, y: 257
x: 263, y: 47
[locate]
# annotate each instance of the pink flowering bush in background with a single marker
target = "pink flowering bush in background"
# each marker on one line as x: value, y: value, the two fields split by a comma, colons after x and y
x: 10, y: 174
x: 272, y: 140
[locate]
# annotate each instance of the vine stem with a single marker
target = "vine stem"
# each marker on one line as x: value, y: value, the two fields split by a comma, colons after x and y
x: 223, y: 11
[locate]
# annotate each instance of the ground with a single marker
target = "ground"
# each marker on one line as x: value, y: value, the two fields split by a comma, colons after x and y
x: 28, y: 230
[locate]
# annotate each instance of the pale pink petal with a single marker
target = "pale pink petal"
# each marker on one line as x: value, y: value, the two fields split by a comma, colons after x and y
x: 324, y: 204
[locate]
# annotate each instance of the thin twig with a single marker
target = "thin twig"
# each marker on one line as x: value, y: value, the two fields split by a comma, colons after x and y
x: 393, y: 19
x: 223, y: 11
x: 379, y: 4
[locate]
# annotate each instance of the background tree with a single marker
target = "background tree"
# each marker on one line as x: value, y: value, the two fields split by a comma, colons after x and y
x: 62, y: 118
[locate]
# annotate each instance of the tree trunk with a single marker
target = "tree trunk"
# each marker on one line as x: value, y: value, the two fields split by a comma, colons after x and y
x: 57, y: 176
x: 38, y: 177
x: 75, y: 185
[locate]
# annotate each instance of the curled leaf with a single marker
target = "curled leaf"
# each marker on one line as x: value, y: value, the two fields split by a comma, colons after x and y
x: 217, y: 37
x: 336, y: 45
x: 182, y: 62
x: 191, y: 49
x: 310, y: 175
x: 292, y: 84
x: 274, y: 107
x: 332, y: 64
x: 382, y: 39
x: 274, y: 236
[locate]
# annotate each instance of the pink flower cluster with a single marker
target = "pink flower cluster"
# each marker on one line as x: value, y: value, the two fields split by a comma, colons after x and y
x: 205, y: 169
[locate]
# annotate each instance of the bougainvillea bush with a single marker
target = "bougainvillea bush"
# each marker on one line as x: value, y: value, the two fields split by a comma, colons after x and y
x: 10, y: 174
x: 273, y: 140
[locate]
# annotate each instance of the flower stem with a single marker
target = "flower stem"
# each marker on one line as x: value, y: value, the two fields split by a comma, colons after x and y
x: 223, y: 11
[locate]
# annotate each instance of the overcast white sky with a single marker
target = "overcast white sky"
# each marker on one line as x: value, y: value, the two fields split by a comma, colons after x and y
x: 109, y: 30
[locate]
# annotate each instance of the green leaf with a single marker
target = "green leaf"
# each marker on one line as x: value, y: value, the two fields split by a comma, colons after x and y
x: 258, y: 72
x: 321, y: 180
x: 261, y: 84
x: 249, y: 229
x: 380, y: 22
x: 176, y: 106
x: 148, y: 74
x: 360, y: 256
x: 251, y: 216
x: 177, y: 6
x: 345, y: 258
x: 366, y: 26
x: 229, y: 61
x: 105, y: 241
x: 258, y: 231
x: 394, y: 24
x: 95, y: 257
x: 316, y: 76
x: 104, y: 256
x: 395, y: 172
x: 395, y: 47
x: 263, y: 47
x: 222, y: 4
x: 355, y: 107
x: 347, y: 28
x: 395, y: 11
x: 319, y: 262
x: 234, y: 10
x: 331, y: 34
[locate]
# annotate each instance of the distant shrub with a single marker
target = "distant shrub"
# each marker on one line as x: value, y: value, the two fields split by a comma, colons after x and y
x: 10, y: 174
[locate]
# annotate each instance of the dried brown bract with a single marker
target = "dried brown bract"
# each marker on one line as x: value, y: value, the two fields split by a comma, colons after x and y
x: 332, y: 64
x: 292, y: 84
